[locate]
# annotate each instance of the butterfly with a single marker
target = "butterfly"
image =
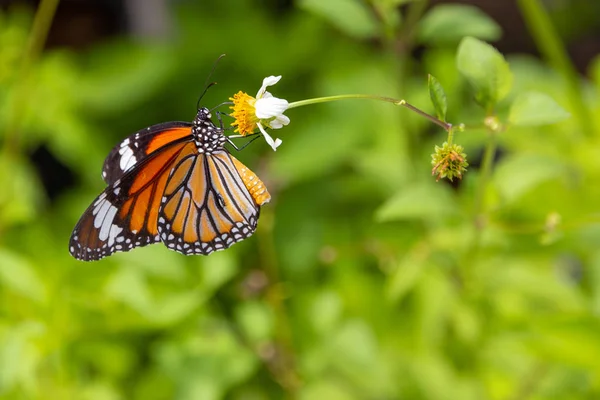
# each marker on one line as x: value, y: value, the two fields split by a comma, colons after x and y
x: 174, y: 183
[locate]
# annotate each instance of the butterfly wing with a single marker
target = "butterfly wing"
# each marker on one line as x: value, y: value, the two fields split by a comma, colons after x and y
x: 136, y: 147
x: 210, y: 202
x: 125, y: 215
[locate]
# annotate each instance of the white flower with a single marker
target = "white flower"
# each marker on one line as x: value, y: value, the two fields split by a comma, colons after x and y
x: 270, y: 110
x: 264, y: 111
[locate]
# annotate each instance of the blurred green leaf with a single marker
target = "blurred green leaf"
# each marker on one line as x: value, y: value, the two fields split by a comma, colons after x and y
x: 174, y: 307
x: 594, y: 71
x: 100, y: 391
x: 438, y: 97
x: 572, y: 340
x: 436, y: 299
x: 466, y: 322
x: 406, y: 274
x: 325, y: 311
x: 486, y: 70
x: 129, y: 286
x: 20, y: 355
x: 325, y: 390
x: 534, y: 109
x: 21, y: 195
x: 355, y: 346
x: 206, y: 362
x: 449, y: 23
x: 218, y: 269
x: 426, y: 201
x: 132, y: 75
x: 350, y: 16
x: 256, y: 320
x: 517, y: 175
x: 18, y: 274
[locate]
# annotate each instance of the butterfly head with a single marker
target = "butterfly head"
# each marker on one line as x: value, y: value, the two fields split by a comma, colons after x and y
x: 208, y: 137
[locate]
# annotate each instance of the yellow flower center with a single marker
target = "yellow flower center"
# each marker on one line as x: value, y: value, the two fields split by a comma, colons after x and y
x: 244, y: 113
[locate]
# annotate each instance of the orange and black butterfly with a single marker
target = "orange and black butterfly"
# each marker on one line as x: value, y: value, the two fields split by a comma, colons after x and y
x: 173, y: 183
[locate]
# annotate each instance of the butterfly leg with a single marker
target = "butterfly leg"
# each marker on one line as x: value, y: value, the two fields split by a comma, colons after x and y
x: 256, y: 136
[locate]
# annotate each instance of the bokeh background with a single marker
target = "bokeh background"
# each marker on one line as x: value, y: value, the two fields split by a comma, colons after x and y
x: 366, y: 279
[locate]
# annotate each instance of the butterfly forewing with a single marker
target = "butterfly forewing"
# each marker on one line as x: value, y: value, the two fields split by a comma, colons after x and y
x: 125, y: 215
x: 136, y: 147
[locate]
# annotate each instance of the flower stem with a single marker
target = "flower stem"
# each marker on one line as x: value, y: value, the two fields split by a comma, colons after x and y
x: 450, y: 136
x: 446, y: 126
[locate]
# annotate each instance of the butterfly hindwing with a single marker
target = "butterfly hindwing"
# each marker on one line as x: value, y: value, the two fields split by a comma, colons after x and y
x: 210, y: 202
x: 136, y: 147
x: 125, y: 215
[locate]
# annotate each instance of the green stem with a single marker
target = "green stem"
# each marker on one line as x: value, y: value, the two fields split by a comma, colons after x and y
x: 450, y: 136
x: 446, y: 126
x: 552, y: 48
x: 282, y: 366
x: 484, y: 178
x: 413, y: 16
x: 39, y: 32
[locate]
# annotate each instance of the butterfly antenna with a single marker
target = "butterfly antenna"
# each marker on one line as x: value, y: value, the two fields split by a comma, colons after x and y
x: 206, y: 84
x: 225, y: 103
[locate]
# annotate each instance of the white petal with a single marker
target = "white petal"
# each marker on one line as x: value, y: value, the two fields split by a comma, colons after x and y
x: 279, y: 122
x: 273, y: 143
x: 268, y: 81
x: 270, y: 107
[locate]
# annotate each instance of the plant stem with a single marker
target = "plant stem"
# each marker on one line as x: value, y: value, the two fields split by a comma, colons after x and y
x: 551, y: 46
x: 37, y: 38
x: 450, y: 136
x: 282, y: 364
x: 484, y: 178
x: 446, y: 126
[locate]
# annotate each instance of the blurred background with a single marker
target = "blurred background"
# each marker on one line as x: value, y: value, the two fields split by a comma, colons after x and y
x: 366, y: 279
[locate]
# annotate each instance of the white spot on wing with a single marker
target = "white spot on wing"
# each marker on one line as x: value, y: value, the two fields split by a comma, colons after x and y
x: 100, y: 212
x: 127, y: 158
x: 113, y: 234
x: 107, y: 225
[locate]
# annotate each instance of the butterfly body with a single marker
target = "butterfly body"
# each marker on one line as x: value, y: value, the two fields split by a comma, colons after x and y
x: 174, y: 183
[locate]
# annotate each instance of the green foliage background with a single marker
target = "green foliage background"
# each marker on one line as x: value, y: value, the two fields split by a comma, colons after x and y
x: 366, y: 278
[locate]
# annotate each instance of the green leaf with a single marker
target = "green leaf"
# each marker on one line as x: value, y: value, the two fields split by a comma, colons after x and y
x: 438, y: 97
x: 218, y: 269
x: 534, y: 108
x: 486, y: 70
x: 174, y: 307
x: 256, y: 320
x: 331, y: 390
x: 325, y: 311
x: 20, y: 354
x: 594, y: 71
x: 407, y: 273
x: 448, y: 23
x: 350, y: 16
x: 129, y: 286
x: 18, y: 274
x: 567, y: 340
x: 421, y: 201
x: 517, y: 175
x: 21, y: 195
